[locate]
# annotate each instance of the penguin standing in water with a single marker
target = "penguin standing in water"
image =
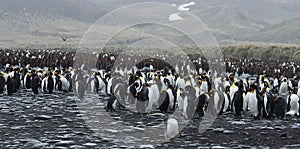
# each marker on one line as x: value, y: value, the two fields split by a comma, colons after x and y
x: 79, y: 85
x: 153, y: 95
x: 284, y: 88
x: 69, y: 79
x: 293, y: 105
x: 48, y: 83
x: 110, y: 102
x: 238, y: 100
x: 189, y: 97
x: 171, y: 130
x: 17, y: 79
x: 57, y: 81
x: 35, y: 82
x: 280, y: 107
x: 219, y: 101
x: 120, y: 93
x: 10, y: 85
x: 142, y: 98
x: 179, y: 98
x: 27, y: 80
x: 187, y: 105
x: 246, y: 100
x: 180, y: 83
x: 202, y: 104
x: 233, y: 88
x: 226, y: 103
x: 95, y: 83
x: 2, y: 82
x: 269, y: 103
x: 255, y: 102
x: 65, y: 84
x: 164, y: 101
x: 171, y: 98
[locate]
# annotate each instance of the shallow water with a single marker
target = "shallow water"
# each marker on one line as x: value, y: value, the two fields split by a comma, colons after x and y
x: 62, y: 120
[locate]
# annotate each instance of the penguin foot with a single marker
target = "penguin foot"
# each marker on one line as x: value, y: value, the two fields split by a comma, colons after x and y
x: 173, y: 140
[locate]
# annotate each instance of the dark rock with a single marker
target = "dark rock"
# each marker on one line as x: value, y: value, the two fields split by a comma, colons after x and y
x: 263, y: 133
x: 218, y: 130
x: 228, y: 132
x: 64, y: 143
x: 43, y: 117
x: 283, y: 135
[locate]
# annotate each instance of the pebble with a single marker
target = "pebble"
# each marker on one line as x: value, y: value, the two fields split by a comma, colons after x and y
x: 250, y: 128
x: 238, y: 123
x: 193, y: 144
x: 128, y: 130
x: 89, y: 144
x: 64, y: 143
x: 283, y: 135
x: 278, y: 128
x: 218, y: 147
x: 77, y: 147
x: 218, y: 130
x: 295, y: 126
x: 263, y: 133
x: 228, y: 132
x: 111, y: 131
x: 243, y: 146
x: 139, y: 129
x: 292, y: 146
x: 247, y: 139
x: 43, y: 117
x: 146, y: 146
x: 267, y: 128
x: 17, y: 127
x: 40, y: 145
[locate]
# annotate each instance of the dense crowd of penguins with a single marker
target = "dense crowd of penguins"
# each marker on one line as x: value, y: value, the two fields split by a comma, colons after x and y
x: 271, y: 90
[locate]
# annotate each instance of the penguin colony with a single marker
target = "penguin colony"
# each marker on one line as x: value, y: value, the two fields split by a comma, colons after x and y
x: 272, y: 89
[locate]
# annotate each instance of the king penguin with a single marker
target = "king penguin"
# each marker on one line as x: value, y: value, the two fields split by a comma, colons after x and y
x: 293, y: 104
x: 171, y: 130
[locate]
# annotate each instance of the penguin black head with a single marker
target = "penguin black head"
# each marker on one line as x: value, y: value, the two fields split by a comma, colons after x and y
x: 146, y: 84
x: 254, y: 85
x: 249, y: 89
x: 17, y: 69
x: 241, y: 86
x: 236, y: 84
x: 227, y: 88
x: 136, y: 84
x: 227, y: 79
x: 137, y: 77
